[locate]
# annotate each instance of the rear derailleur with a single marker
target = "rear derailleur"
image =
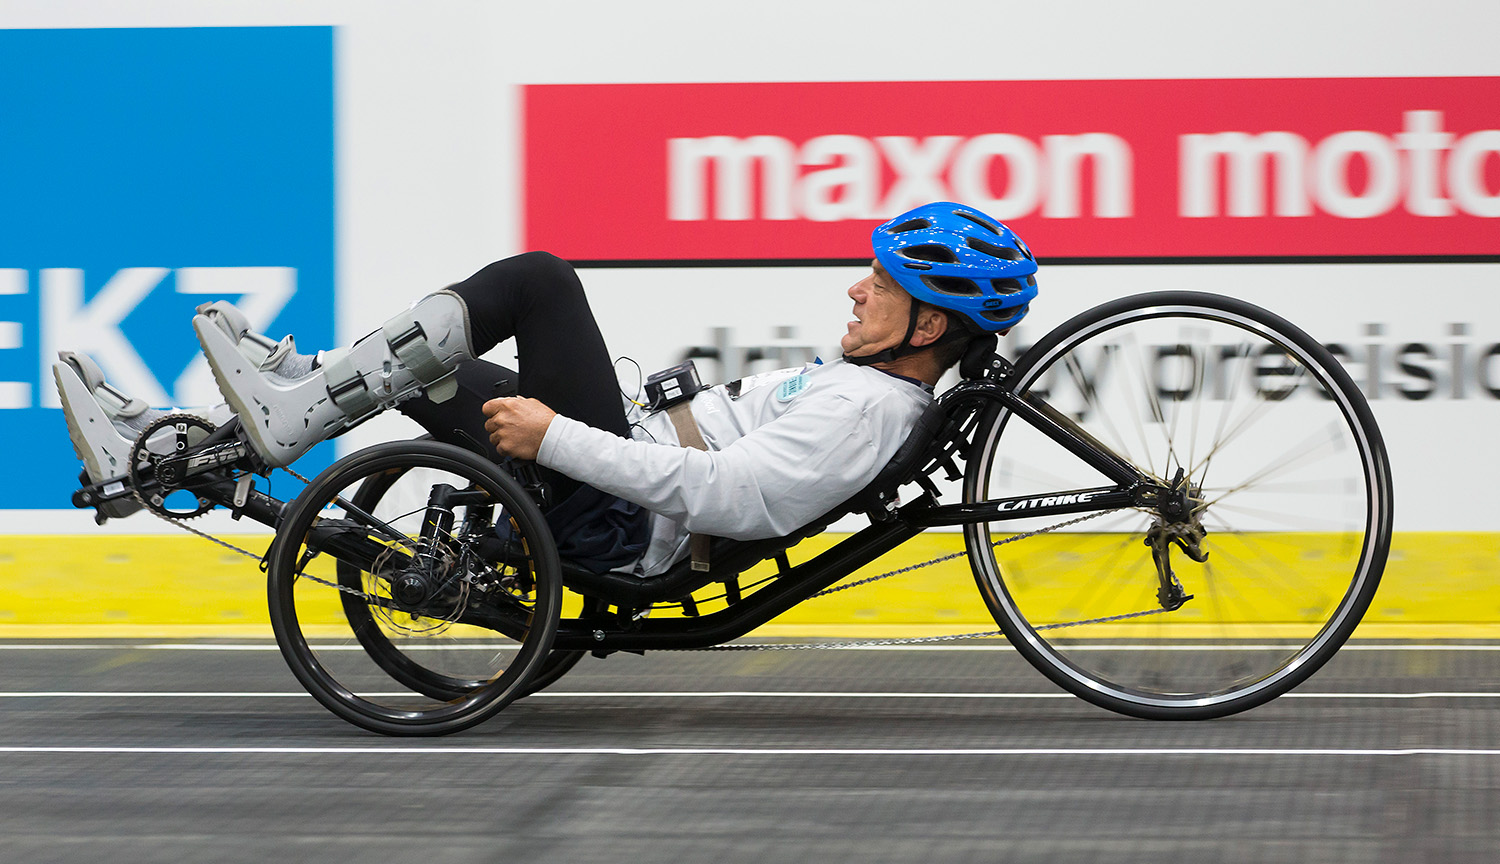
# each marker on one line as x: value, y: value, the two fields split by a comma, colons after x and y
x: 1177, y: 524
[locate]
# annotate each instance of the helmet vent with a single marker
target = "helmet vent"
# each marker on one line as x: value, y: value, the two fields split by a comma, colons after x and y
x: 910, y: 225
x: 931, y: 252
x: 994, y: 251
x: 977, y: 221
x: 1004, y: 314
x: 1007, y: 286
x: 953, y: 285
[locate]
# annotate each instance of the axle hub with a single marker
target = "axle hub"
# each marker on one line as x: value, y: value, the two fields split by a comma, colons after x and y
x: 410, y: 588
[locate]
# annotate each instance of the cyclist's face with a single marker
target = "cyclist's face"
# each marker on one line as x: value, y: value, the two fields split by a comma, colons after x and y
x: 882, y: 312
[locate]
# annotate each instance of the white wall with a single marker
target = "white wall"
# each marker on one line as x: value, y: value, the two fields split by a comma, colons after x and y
x: 429, y: 181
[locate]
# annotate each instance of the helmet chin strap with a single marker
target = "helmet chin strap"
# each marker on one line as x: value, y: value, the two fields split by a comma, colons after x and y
x: 957, y: 329
x: 900, y: 349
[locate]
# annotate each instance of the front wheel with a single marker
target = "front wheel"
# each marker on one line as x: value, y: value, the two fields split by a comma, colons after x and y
x: 414, y: 588
x: 1290, y: 496
x: 389, y: 494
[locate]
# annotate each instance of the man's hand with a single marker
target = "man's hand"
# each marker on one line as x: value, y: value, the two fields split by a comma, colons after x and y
x: 517, y: 425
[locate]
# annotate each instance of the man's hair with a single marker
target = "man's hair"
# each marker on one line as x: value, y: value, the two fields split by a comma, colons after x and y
x: 955, y: 340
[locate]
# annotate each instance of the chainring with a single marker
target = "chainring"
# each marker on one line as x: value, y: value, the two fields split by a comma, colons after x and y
x: 154, y: 446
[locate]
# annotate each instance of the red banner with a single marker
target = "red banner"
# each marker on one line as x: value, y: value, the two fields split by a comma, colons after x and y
x: 1091, y: 169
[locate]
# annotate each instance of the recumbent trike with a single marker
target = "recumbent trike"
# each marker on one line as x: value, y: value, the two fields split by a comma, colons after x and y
x: 1222, y: 491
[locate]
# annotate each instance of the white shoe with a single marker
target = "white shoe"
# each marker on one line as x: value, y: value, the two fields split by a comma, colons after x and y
x: 104, y: 423
x: 283, y: 416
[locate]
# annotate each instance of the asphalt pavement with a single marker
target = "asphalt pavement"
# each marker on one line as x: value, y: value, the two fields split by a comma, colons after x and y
x: 185, y: 752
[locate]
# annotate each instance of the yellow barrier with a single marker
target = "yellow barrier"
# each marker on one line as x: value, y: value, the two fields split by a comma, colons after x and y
x: 1437, y: 585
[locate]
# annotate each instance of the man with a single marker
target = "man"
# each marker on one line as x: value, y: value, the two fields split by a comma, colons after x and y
x: 780, y: 449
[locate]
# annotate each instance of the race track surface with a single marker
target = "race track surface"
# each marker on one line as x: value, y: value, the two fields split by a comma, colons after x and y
x: 185, y: 752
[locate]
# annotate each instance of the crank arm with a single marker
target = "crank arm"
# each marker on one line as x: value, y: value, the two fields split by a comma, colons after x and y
x: 175, y: 471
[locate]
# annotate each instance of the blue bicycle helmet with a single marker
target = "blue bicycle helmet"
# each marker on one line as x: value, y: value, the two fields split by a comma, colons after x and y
x: 957, y: 258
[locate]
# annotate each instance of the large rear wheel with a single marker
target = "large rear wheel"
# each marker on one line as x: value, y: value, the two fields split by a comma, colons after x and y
x: 1290, y: 495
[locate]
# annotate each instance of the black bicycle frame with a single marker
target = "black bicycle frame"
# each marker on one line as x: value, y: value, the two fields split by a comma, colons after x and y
x: 630, y: 631
x: 1126, y: 492
x: 793, y: 585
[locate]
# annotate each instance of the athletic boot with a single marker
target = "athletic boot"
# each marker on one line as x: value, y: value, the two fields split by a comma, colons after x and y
x: 104, y: 423
x: 286, y: 406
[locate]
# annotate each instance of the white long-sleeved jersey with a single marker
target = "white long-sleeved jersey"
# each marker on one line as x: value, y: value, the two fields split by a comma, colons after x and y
x: 783, y: 448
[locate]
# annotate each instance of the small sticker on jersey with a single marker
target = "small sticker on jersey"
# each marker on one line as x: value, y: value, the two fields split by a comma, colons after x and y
x: 792, y: 386
x: 741, y: 386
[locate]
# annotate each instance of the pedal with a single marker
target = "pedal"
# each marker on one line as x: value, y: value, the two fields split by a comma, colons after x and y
x: 96, y: 495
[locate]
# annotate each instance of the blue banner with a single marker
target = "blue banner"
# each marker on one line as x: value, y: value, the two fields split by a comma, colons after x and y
x: 143, y: 172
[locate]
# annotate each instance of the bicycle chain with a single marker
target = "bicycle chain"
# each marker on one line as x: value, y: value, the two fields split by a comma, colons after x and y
x: 871, y: 643
x: 772, y: 647
x: 950, y: 557
x: 354, y: 592
x: 260, y: 559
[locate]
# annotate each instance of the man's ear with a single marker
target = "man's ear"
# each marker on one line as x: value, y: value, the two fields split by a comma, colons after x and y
x: 932, y: 323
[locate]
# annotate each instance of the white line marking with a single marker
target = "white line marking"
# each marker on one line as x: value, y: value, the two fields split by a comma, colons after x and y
x: 147, y: 694
x: 1433, y: 695
x: 678, y: 694
x: 995, y: 646
x: 753, y: 751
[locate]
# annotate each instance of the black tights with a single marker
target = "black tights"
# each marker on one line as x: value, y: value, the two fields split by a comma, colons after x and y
x: 536, y: 298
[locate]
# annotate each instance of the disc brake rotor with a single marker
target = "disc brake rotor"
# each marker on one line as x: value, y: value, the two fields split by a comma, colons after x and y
x: 435, y: 615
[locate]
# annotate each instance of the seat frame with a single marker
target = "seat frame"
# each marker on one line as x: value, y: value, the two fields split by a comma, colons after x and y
x: 616, y: 618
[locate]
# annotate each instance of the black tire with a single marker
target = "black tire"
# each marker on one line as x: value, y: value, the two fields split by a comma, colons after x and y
x: 460, y: 655
x: 558, y: 664
x: 1296, y: 493
x: 407, y: 670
